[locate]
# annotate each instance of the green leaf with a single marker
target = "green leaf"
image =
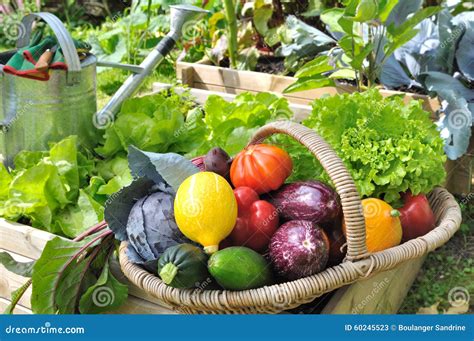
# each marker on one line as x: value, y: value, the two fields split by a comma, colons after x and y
x: 37, y: 193
x: 56, y: 258
x: 105, y: 295
x: 75, y: 219
x: 64, y: 156
x: 385, y: 8
x: 309, y: 83
x: 20, y: 268
x: 317, y: 66
x: 69, y: 286
x: 361, y: 55
x: 351, y: 45
x: 26, y: 159
x: 117, y: 174
x: 343, y: 74
x: 331, y: 18
x: 5, y: 180
x: 366, y: 10
x: 399, y: 41
x: 412, y: 21
x: 261, y: 17
x: 16, y: 296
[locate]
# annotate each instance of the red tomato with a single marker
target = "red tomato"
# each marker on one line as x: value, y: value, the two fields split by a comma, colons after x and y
x: 262, y: 167
x: 257, y: 220
x: 245, y: 198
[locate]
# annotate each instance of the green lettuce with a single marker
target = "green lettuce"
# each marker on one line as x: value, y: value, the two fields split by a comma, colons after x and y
x: 55, y: 190
x: 150, y: 123
x: 230, y: 125
x: 388, y: 146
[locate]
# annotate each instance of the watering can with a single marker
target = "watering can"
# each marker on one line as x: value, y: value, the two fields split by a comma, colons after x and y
x: 35, y: 113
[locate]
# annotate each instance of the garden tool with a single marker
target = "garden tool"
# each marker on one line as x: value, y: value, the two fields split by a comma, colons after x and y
x: 181, y: 15
x: 45, y: 60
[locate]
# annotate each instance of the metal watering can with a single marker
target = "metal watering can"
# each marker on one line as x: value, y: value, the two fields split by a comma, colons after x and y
x: 34, y: 113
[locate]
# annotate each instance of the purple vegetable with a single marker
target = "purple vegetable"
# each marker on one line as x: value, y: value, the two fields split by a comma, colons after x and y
x: 308, y: 200
x: 218, y: 161
x: 299, y: 248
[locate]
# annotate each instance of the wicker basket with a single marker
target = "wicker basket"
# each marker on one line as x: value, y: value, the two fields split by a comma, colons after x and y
x: 358, y: 264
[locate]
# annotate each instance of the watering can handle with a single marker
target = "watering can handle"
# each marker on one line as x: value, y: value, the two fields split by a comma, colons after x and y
x: 64, y: 39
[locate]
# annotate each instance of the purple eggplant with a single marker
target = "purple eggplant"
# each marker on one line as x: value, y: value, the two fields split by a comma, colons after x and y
x: 299, y: 248
x: 308, y: 200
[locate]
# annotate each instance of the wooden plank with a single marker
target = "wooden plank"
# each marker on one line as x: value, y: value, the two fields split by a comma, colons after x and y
x: 300, y: 111
x: 28, y: 245
x: 235, y: 81
x: 459, y: 173
x: 382, y: 293
x: 22, y: 239
x: 19, y: 310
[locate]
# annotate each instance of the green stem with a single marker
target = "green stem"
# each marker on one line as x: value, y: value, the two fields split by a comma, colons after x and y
x: 168, y: 273
x: 16, y: 295
x: 395, y: 213
x: 232, y: 38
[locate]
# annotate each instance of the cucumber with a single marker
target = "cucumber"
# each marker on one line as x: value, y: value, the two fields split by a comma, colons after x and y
x: 183, y: 266
x: 239, y: 268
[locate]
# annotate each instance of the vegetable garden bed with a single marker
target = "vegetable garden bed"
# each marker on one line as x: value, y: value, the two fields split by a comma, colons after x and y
x: 229, y: 81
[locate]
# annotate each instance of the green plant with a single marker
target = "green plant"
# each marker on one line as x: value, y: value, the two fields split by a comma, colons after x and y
x: 58, y: 190
x: 387, y: 146
x: 232, y: 28
x: 439, y: 60
x: 367, y: 33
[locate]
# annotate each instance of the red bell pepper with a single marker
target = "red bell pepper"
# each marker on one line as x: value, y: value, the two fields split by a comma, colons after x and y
x: 256, y: 222
x: 416, y: 216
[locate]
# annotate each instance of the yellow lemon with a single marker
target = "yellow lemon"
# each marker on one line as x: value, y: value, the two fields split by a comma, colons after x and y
x: 205, y: 209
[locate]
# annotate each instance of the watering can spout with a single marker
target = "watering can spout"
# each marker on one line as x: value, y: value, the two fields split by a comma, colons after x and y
x: 181, y: 16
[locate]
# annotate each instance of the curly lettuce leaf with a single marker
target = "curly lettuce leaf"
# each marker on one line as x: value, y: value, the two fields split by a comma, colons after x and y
x: 387, y: 146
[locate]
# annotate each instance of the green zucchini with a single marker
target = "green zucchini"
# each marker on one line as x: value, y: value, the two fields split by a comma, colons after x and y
x: 183, y: 266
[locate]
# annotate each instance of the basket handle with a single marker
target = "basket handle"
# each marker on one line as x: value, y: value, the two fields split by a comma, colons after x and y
x: 64, y: 40
x: 333, y: 165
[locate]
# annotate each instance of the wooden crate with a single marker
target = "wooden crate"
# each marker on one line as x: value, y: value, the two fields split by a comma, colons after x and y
x: 382, y: 293
x: 224, y: 80
x: 214, y: 78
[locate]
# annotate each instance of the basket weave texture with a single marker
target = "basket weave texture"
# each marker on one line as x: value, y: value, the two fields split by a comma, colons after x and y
x: 359, y: 264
